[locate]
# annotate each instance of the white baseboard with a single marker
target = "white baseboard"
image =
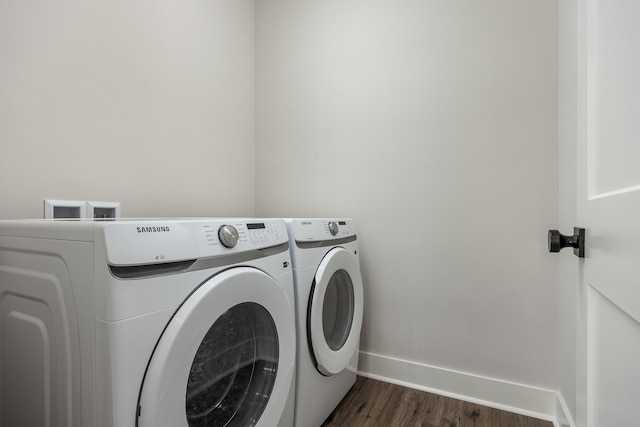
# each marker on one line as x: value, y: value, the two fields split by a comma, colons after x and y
x: 563, y: 415
x: 517, y: 398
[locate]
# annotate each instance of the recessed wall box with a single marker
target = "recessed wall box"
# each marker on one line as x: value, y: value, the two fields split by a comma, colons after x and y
x: 64, y: 209
x: 103, y: 210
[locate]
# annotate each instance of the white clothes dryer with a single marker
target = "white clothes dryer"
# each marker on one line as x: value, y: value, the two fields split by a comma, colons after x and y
x: 161, y: 323
x: 329, y: 308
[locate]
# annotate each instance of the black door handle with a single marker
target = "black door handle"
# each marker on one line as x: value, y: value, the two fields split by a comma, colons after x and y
x: 557, y: 241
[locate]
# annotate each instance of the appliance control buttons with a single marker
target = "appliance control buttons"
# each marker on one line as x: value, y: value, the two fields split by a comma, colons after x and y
x: 228, y: 236
x: 333, y: 228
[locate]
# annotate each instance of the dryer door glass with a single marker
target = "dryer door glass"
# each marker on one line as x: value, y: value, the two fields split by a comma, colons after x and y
x: 234, y: 369
x: 337, y: 310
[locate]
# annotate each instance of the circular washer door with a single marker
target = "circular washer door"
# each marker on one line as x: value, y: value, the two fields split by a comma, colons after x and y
x: 226, y: 358
x: 335, y: 311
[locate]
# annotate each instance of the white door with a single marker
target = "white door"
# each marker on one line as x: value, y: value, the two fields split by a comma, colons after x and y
x: 609, y: 208
x: 335, y: 311
x: 226, y: 358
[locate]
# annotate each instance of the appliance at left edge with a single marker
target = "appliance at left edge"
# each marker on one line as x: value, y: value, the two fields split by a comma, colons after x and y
x: 161, y: 323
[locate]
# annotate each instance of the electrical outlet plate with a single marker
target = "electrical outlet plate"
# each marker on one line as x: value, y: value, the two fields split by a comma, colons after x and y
x: 103, y: 210
x: 64, y: 209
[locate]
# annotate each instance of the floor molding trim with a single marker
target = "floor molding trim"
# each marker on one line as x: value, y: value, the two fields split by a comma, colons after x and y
x: 563, y: 415
x: 518, y: 398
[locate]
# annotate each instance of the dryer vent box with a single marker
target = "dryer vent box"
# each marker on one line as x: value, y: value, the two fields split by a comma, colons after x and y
x: 103, y: 210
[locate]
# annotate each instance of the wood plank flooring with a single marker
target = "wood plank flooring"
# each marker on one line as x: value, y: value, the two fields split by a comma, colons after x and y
x: 372, y: 403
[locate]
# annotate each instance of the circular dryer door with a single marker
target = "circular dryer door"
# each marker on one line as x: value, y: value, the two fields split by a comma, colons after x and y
x: 335, y: 311
x: 226, y: 358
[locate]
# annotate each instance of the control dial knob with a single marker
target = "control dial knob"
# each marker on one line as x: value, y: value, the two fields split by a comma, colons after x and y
x: 333, y: 228
x: 228, y: 236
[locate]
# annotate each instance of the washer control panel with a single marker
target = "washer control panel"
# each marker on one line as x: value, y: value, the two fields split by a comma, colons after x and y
x: 133, y: 242
x: 215, y: 238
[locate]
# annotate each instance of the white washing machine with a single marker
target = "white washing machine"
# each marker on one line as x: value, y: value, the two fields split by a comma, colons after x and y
x: 329, y: 308
x: 161, y: 323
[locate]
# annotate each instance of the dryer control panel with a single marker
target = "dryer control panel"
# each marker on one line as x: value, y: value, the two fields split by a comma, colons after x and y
x: 316, y: 230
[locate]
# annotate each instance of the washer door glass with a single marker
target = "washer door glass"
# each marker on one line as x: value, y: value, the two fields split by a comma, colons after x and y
x: 234, y: 369
x: 334, y: 316
x: 337, y: 310
x: 225, y: 358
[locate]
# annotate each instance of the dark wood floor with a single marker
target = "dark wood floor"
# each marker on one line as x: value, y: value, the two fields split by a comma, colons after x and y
x: 374, y: 403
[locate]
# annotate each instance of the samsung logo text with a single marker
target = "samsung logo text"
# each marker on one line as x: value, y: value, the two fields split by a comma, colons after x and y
x: 153, y: 229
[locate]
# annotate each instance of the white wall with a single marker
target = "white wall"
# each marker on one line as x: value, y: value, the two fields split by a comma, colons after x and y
x: 149, y: 103
x: 432, y: 124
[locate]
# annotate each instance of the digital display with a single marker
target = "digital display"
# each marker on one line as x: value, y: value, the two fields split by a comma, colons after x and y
x: 256, y: 226
x: 342, y: 222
